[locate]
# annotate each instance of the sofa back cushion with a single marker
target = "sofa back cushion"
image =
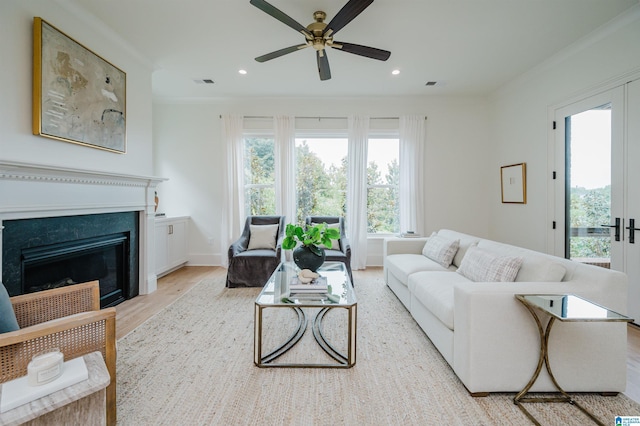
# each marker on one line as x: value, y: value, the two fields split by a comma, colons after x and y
x: 536, y: 266
x: 440, y: 249
x: 482, y: 265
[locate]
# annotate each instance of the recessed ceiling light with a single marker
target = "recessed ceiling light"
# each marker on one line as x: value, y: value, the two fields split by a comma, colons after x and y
x: 243, y: 72
x: 395, y: 72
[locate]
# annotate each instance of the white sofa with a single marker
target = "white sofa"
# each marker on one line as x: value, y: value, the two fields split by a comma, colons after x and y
x: 490, y: 339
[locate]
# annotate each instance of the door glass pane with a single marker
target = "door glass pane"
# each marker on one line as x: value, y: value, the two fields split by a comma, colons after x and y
x: 589, y: 186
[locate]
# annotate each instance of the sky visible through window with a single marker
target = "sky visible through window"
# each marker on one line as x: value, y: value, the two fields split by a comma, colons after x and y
x: 333, y: 150
x: 591, y: 149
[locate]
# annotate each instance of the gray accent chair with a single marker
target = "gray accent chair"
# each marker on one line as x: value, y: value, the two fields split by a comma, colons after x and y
x: 344, y: 254
x: 252, y: 268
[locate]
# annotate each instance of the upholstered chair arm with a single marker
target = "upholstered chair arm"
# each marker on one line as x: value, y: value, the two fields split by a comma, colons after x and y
x: 239, y: 245
x: 345, y: 246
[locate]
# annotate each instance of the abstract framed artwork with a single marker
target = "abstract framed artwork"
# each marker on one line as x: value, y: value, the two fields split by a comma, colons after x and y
x: 514, y: 183
x: 78, y: 96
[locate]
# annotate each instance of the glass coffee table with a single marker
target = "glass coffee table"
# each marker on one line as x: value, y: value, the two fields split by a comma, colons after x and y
x: 564, y: 308
x: 276, y: 294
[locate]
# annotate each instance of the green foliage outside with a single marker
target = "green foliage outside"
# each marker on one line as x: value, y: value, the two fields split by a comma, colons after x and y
x: 259, y: 169
x: 321, y: 190
x: 590, y: 208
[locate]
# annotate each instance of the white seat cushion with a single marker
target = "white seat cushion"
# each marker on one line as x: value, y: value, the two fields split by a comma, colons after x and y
x: 434, y: 290
x: 403, y: 265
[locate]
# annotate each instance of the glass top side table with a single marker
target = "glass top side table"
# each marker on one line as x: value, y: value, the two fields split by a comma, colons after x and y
x: 565, y: 308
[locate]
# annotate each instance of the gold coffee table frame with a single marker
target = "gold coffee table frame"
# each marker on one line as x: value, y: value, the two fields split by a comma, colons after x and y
x: 277, y: 288
x: 566, y: 308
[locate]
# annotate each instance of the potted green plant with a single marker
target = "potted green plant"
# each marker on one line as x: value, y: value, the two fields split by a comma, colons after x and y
x: 307, y: 243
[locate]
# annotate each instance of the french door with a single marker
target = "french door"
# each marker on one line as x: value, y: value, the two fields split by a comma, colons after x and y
x: 597, y: 185
x: 591, y: 181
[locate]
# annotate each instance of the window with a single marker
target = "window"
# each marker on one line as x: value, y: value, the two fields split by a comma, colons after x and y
x: 383, y: 178
x: 259, y: 175
x: 321, y: 177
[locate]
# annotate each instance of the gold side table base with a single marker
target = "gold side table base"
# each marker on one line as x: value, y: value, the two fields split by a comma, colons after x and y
x: 521, y: 397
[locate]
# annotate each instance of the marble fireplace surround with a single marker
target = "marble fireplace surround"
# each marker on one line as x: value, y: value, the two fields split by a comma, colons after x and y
x: 38, y: 191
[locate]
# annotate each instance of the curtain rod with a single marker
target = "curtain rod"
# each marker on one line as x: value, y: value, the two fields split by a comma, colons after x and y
x: 320, y: 118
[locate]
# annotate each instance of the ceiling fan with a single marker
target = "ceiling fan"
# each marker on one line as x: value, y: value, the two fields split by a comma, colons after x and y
x: 319, y: 34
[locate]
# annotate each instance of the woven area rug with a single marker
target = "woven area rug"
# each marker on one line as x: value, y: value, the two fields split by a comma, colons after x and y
x: 192, y: 364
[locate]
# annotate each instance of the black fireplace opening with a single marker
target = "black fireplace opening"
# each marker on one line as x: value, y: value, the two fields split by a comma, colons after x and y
x: 104, y: 258
x: 49, y: 252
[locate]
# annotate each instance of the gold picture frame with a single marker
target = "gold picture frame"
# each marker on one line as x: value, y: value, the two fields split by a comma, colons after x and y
x: 514, y: 183
x: 78, y: 96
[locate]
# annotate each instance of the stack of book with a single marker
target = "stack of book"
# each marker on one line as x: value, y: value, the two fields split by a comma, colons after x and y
x: 317, y: 286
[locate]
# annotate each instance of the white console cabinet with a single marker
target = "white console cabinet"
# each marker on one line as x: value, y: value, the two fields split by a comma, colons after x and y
x: 171, y: 243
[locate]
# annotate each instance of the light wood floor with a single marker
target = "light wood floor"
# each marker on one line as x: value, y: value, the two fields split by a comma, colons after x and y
x: 131, y: 313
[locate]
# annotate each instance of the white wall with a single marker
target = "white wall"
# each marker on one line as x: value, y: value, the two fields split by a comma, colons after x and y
x: 17, y: 143
x: 187, y: 139
x: 521, y: 125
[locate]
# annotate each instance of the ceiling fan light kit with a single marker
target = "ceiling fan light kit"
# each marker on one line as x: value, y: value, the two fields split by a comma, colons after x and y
x: 319, y: 34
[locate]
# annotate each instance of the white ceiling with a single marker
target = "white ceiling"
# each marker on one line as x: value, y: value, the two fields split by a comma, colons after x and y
x: 470, y: 47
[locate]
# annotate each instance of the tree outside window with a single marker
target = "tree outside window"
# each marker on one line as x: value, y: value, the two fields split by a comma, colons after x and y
x: 383, y: 178
x: 259, y: 176
x: 321, y: 183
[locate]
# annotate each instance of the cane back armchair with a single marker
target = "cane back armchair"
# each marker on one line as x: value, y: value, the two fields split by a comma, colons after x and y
x: 68, y: 318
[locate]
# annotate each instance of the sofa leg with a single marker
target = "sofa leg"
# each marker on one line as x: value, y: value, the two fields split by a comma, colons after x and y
x: 479, y: 394
x: 609, y: 393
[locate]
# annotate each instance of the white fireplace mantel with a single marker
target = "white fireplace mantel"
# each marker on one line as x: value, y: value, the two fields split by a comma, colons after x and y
x: 38, y: 190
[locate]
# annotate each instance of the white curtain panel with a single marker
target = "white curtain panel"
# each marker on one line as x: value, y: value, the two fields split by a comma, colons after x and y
x: 412, y: 140
x: 233, y: 214
x: 285, y: 162
x: 357, y: 190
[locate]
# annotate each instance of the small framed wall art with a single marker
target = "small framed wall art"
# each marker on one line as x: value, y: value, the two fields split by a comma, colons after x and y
x: 514, y: 183
x: 78, y: 97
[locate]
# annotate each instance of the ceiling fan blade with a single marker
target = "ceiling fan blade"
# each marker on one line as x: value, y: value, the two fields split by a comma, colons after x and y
x: 282, y: 17
x: 280, y: 52
x: 348, y: 12
x: 323, y: 65
x: 356, y: 49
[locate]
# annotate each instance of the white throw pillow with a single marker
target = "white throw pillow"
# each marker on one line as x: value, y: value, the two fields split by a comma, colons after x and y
x: 440, y: 249
x: 263, y: 237
x: 485, y: 266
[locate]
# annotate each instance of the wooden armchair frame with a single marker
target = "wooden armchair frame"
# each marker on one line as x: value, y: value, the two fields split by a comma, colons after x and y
x: 68, y: 318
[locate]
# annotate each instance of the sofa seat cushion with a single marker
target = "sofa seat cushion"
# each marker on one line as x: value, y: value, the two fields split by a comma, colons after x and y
x: 403, y: 265
x: 434, y: 290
